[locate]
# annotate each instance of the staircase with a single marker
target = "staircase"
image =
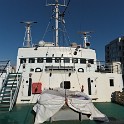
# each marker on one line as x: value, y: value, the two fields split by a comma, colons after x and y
x: 9, y: 91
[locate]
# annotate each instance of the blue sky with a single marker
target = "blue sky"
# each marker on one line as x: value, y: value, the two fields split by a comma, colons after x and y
x: 104, y: 17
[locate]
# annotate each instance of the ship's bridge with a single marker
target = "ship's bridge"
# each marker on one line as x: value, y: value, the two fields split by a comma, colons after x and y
x: 58, y: 58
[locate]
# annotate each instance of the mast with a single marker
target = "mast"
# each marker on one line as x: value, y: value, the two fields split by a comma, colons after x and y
x: 85, y: 39
x: 56, y: 23
x: 27, y: 38
x: 56, y: 5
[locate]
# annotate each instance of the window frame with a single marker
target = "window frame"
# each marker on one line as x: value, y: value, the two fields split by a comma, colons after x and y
x: 83, y: 61
x: 40, y: 60
x: 66, y: 60
x: 31, y: 60
x: 73, y: 60
x: 22, y: 59
x: 49, y: 60
x: 58, y: 60
x: 91, y: 61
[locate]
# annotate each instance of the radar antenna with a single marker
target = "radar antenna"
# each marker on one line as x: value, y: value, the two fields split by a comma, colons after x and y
x: 27, y: 38
x: 85, y: 36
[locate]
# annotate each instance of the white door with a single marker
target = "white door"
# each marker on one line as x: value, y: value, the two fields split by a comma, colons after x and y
x: 25, y: 85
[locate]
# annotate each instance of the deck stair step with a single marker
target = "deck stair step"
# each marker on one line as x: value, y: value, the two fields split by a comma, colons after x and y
x: 6, y: 99
x: 8, y: 90
x: 12, y: 87
x: 4, y: 105
x: 5, y: 95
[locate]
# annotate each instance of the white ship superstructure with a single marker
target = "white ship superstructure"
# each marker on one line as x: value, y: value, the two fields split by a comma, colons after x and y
x: 49, y: 67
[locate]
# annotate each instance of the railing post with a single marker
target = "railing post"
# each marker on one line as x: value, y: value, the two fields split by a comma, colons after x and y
x: 9, y: 65
x: 10, y: 101
x: 17, y: 78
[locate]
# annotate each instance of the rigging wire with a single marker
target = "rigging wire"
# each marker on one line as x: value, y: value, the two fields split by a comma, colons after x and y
x: 65, y: 33
x: 63, y: 13
x: 48, y: 26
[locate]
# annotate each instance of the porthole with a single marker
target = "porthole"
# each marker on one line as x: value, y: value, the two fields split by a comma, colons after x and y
x: 80, y: 70
x: 38, y: 70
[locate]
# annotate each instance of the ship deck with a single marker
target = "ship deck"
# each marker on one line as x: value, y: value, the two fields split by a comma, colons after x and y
x: 23, y: 114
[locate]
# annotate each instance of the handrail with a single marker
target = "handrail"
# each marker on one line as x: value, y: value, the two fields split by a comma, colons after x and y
x: 8, y: 63
x: 13, y: 96
x: 6, y: 74
x: 115, y: 67
x: 16, y: 74
x: 4, y: 82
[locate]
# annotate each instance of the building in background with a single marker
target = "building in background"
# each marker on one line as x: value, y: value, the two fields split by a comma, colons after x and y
x: 114, y: 51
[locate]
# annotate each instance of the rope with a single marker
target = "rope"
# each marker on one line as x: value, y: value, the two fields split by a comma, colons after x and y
x: 64, y: 30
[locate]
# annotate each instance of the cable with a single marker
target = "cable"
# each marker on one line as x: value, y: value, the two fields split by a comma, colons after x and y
x: 47, y: 26
x: 63, y: 14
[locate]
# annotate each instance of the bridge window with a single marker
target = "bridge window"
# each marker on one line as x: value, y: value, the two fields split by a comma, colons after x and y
x: 91, y: 61
x: 57, y: 60
x: 39, y: 60
x: 31, y: 60
x: 22, y: 60
x: 66, y: 60
x: 74, y: 60
x: 48, y: 60
x: 83, y: 61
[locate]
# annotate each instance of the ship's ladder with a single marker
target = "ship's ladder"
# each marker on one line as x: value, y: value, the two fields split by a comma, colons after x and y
x: 9, y: 91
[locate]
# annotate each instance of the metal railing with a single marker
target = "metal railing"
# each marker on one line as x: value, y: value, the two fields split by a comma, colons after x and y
x: 4, y: 67
x: 14, y: 96
x: 4, y: 71
x: 115, y: 67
